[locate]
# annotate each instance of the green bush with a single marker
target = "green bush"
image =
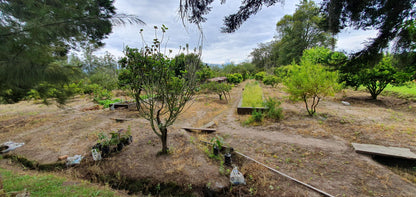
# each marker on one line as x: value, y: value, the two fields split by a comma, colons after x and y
x: 257, y: 116
x: 204, y: 74
x: 221, y: 89
x: 61, y: 93
x: 234, y: 78
x: 106, y: 103
x: 270, y: 80
x: 102, y: 94
x: 274, y: 111
x: 260, y: 75
x: 309, y: 83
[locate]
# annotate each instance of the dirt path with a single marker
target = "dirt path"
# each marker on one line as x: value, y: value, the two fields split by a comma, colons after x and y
x: 228, y: 125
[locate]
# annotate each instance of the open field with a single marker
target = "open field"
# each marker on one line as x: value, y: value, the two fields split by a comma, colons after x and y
x: 316, y: 150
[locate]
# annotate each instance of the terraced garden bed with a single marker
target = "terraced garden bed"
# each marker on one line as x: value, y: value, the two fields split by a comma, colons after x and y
x: 252, y: 99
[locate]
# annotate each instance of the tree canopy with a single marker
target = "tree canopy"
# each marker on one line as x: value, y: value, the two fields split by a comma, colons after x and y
x: 300, y: 31
x: 390, y: 17
x: 393, y: 19
x: 35, y: 33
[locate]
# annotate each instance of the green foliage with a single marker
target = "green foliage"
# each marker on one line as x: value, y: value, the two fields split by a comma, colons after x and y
x: 151, y: 71
x: 101, y: 94
x: 204, y: 74
x: 300, y: 31
x: 260, y: 75
x: 377, y: 78
x: 310, y: 82
x: 234, y: 78
x: 283, y: 72
x: 61, y: 92
x: 218, y: 141
x: 389, y: 18
x: 273, y: 112
x: 35, y: 36
x: 252, y: 95
x: 221, y: 89
x: 256, y: 117
x: 271, y: 80
x: 49, y: 185
x: 106, y: 103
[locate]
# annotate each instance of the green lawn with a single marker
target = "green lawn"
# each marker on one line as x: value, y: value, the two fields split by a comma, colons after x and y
x: 406, y: 91
x: 252, y: 95
x: 48, y: 185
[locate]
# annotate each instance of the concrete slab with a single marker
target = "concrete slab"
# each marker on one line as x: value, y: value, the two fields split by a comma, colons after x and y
x: 372, y: 149
x: 202, y: 130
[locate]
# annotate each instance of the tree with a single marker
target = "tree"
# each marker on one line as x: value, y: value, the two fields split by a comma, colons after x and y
x: 270, y: 80
x: 301, y: 31
x: 167, y: 93
x: 389, y: 17
x: 34, y: 34
x: 194, y: 12
x: 310, y: 82
x: 263, y: 56
x: 221, y: 89
x: 376, y: 78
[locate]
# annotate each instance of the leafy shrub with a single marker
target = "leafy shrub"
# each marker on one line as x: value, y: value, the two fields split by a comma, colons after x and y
x: 234, y: 78
x: 106, y: 103
x: 274, y: 111
x: 377, y: 78
x: 102, y: 94
x: 257, y: 116
x: 221, y: 89
x: 260, y: 75
x: 270, y: 80
x: 61, y: 93
x: 310, y: 82
x: 204, y: 74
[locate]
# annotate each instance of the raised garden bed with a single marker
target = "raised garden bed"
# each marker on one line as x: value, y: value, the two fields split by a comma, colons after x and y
x: 252, y: 99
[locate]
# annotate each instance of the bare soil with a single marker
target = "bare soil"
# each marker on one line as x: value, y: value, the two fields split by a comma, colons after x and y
x: 315, y: 150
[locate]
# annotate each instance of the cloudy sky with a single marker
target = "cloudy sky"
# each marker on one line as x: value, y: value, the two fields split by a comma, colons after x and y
x: 218, y: 48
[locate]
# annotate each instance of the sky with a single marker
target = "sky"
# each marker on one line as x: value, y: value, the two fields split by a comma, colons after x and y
x: 218, y: 48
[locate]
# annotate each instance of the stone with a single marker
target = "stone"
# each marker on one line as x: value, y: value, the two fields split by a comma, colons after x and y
x: 396, y: 152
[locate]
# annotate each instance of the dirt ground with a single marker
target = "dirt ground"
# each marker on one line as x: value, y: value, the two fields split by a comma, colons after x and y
x: 315, y: 150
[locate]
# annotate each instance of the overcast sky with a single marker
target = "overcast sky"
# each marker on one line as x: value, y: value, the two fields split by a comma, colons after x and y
x: 218, y: 48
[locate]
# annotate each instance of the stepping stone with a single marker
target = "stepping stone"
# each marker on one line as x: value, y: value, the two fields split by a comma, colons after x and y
x: 372, y: 149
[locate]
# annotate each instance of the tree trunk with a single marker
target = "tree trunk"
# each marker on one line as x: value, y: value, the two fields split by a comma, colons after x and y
x: 164, y: 139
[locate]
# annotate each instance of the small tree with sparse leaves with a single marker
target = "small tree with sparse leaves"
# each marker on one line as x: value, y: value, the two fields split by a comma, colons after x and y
x: 153, y: 73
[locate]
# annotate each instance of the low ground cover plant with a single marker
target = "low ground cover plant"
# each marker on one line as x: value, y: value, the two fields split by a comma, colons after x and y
x: 47, y: 185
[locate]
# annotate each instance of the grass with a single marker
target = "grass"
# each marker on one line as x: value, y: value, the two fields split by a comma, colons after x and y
x: 407, y: 91
x: 252, y: 95
x: 48, y: 185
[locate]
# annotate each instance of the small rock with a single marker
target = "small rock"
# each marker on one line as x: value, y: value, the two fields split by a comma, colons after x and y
x: 345, y: 103
x: 64, y: 157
